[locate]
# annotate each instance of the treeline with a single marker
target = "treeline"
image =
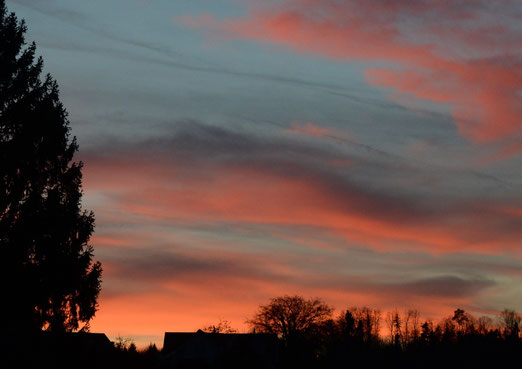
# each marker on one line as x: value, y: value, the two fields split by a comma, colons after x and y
x: 404, y: 329
x: 312, y: 337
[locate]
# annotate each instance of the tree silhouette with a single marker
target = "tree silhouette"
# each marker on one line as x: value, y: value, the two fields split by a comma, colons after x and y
x: 290, y: 316
x: 426, y: 335
x: 462, y: 319
x: 224, y: 326
x: 367, y: 322
x: 510, y: 323
x: 48, y: 276
x: 394, y: 324
x: 346, y: 323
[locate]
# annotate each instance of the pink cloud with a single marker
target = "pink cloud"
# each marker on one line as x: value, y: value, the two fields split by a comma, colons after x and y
x: 253, y: 195
x: 188, y: 299
x: 309, y: 129
x: 314, y: 130
x: 475, y: 68
x: 168, y: 268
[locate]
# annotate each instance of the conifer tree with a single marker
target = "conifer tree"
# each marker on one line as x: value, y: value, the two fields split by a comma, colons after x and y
x: 49, y: 279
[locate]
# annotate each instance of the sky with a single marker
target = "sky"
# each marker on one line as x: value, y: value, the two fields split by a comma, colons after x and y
x: 364, y: 152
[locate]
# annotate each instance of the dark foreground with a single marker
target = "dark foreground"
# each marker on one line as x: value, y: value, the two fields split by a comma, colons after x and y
x: 490, y: 350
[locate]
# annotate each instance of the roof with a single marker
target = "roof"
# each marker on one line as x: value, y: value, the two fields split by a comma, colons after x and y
x: 83, y: 340
x: 173, y: 340
x: 217, y: 350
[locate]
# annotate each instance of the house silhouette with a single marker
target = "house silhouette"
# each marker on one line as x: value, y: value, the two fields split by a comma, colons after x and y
x: 220, y: 350
x: 46, y: 349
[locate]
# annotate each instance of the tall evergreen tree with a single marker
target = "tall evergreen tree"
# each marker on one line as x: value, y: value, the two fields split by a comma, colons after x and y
x: 48, y: 277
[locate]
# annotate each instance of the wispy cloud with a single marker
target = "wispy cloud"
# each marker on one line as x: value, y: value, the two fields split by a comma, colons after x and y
x: 213, y: 174
x: 164, y: 55
x: 482, y: 85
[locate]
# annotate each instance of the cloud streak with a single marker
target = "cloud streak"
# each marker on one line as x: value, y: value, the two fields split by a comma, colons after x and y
x: 482, y: 86
x: 163, y: 55
x: 213, y: 174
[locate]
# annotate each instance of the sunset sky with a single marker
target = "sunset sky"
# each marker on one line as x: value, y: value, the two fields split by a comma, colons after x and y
x: 368, y: 152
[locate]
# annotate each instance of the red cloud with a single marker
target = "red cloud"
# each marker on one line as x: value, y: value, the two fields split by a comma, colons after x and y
x: 191, y: 306
x: 470, y: 61
x: 313, y: 130
x: 206, y: 279
x: 310, y: 129
x: 248, y: 193
x: 189, y: 299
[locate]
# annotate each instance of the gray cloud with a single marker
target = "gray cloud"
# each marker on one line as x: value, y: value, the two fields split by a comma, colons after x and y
x: 152, y: 266
x: 179, y: 60
x: 443, y: 286
x: 144, y: 270
x: 370, y: 187
x: 162, y: 265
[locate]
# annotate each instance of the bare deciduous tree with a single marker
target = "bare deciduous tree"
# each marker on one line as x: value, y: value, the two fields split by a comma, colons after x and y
x: 510, y: 323
x: 484, y: 325
x: 288, y: 316
x: 388, y: 320
x: 411, y: 326
x: 224, y: 326
x: 367, y: 322
x: 394, y: 323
